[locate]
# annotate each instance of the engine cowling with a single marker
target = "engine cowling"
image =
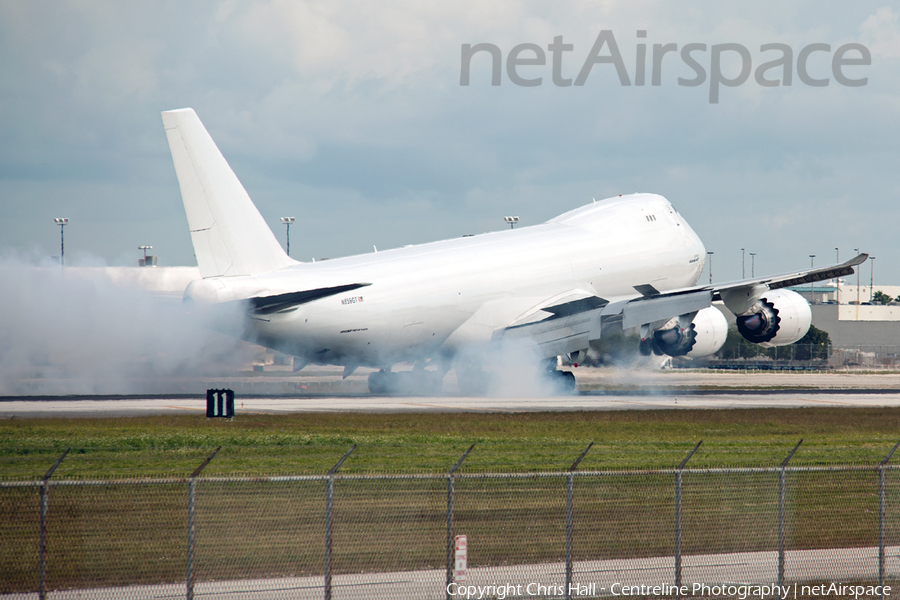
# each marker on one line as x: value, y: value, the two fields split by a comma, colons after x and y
x: 705, y: 335
x: 779, y: 318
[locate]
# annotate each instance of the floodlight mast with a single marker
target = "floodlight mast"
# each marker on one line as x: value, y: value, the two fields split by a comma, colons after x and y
x: 512, y: 221
x: 287, y: 222
x: 145, y: 248
x: 857, y: 287
x: 62, y: 222
x: 837, y: 261
x: 872, y: 280
x: 812, y: 292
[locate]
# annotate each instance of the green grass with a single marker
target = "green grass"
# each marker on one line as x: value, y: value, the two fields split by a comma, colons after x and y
x: 167, y: 446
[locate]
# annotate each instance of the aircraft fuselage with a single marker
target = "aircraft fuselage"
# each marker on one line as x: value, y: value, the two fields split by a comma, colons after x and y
x: 437, y: 299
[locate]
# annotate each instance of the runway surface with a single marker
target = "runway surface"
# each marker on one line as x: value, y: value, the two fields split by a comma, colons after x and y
x: 324, y: 390
x: 136, y: 406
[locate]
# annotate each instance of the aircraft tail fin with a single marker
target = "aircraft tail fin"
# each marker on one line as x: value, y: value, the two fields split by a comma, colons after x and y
x: 230, y: 237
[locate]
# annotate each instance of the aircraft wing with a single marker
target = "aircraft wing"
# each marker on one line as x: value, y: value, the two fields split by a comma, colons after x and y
x: 739, y: 295
x: 569, y: 323
x: 557, y: 326
x: 796, y: 278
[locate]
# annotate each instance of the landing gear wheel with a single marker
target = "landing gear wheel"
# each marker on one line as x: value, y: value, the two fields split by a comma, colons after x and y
x: 646, y: 347
x: 379, y: 382
x: 563, y: 382
x: 569, y: 382
x: 409, y: 383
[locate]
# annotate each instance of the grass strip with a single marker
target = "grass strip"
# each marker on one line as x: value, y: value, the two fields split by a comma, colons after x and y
x: 173, y: 445
x: 123, y: 534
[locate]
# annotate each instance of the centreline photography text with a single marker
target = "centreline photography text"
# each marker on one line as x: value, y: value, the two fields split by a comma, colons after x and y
x: 739, y: 591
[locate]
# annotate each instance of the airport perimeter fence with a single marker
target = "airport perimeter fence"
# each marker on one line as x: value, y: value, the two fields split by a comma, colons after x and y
x: 800, y: 353
x: 804, y: 356
x: 571, y: 534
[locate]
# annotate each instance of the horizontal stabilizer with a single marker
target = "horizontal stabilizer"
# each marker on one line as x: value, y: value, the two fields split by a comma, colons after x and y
x: 266, y: 305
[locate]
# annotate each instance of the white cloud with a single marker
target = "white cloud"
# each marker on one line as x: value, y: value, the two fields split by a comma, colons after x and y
x: 881, y: 33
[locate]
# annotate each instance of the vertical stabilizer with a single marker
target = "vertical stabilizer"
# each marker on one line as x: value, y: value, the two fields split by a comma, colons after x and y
x: 229, y: 235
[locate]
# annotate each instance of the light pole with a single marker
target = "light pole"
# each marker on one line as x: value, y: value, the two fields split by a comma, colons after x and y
x: 753, y: 264
x: 837, y: 280
x: 743, y: 266
x: 812, y: 284
x: 872, y: 280
x: 709, y: 254
x: 857, y: 286
x: 287, y: 222
x: 512, y: 221
x: 62, y: 222
x: 145, y: 248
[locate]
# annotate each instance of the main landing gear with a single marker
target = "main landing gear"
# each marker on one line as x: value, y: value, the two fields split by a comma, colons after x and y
x: 536, y: 381
x: 563, y: 382
x: 559, y: 382
x: 412, y: 383
x: 531, y: 380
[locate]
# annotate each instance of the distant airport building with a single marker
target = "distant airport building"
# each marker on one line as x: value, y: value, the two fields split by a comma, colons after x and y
x: 853, y: 326
x: 850, y: 318
x: 828, y: 293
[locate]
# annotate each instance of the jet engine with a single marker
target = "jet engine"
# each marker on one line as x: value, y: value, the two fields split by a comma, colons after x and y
x: 779, y: 318
x: 704, y: 336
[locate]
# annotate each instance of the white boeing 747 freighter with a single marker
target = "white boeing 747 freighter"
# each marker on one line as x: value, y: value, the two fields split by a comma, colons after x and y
x: 535, y: 292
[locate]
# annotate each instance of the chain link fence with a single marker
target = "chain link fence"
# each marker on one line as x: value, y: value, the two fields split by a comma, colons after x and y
x: 571, y: 534
x: 745, y: 354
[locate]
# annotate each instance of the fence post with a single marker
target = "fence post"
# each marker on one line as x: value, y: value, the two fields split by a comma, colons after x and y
x: 192, y: 483
x: 570, y: 484
x: 781, y: 513
x: 881, y: 466
x: 44, y: 493
x: 450, y: 548
x: 329, y: 497
x: 678, y: 517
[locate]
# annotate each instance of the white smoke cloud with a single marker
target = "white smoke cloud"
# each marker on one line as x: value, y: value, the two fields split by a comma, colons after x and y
x: 75, y: 331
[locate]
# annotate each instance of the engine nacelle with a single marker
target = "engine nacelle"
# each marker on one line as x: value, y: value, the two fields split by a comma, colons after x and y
x: 705, y: 335
x: 779, y: 318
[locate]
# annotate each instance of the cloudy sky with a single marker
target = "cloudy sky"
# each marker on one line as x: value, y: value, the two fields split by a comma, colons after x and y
x: 350, y: 117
